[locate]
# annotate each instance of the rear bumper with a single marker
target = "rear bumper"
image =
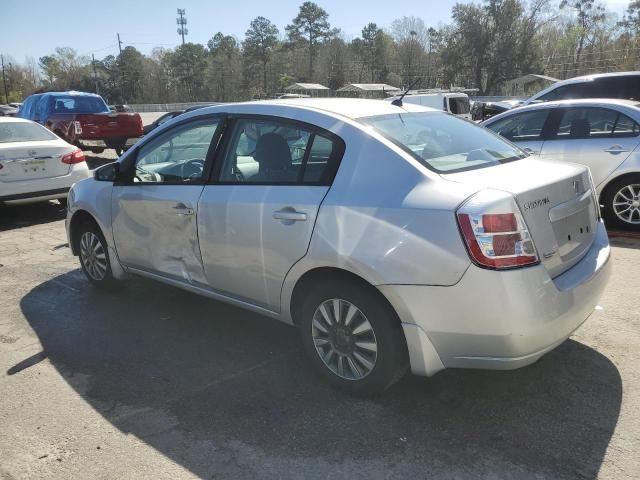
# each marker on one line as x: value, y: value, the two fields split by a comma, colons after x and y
x: 501, y: 320
x: 108, y: 143
x: 30, y: 191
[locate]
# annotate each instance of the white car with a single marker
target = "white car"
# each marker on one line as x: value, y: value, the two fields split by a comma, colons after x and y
x: 392, y: 236
x: 456, y: 103
x: 603, y: 134
x: 35, y: 164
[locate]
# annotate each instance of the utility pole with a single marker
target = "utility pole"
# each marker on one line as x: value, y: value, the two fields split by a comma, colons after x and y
x: 4, y: 81
x: 182, y: 21
x: 121, y: 70
x: 95, y: 74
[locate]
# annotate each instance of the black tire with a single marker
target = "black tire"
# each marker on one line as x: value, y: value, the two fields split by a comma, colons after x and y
x: 609, y: 196
x: 391, y: 361
x: 106, y: 280
x: 119, y: 149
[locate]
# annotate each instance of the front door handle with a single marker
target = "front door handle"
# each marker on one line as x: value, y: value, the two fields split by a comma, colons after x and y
x: 616, y: 149
x: 182, y: 210
x: 289, y: 215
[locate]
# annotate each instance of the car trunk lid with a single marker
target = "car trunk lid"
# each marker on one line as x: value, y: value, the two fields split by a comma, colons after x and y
x: 21, y: 161
x: 556, y: 202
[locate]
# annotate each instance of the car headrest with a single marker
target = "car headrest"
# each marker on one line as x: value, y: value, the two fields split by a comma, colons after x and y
x: 580, y: 128
x: 272, y: 152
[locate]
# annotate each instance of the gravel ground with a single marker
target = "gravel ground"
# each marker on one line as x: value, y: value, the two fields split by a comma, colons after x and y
x: 154, y: 382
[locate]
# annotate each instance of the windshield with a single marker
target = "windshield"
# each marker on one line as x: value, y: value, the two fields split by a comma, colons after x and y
x: 459, y: 105
x: 444, y: 142
x: 79, y: 104
x: 23, y: 132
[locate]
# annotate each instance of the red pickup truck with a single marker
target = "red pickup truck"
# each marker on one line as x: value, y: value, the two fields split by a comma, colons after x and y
x: 83, y: 119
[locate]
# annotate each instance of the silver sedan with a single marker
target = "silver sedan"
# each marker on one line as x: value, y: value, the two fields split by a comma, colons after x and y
x: 394, y: 237
x: 602, y: 134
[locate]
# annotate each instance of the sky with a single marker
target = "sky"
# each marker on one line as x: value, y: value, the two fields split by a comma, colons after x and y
x: 33, y: 28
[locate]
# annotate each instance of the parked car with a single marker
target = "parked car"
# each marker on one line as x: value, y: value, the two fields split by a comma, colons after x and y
x: 36, y: 165
x: 391, y: 236
x: 84, y: 120
x: 481, y: 111
x: 160, y: 120
x: 456, y: 103
x: 622, y: 85
x: 8, y: 111
x: 602, y: 134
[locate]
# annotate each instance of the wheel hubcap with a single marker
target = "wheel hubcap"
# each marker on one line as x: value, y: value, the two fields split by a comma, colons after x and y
x: 344, y: 339
x: 626, y: 204
x: 93, y: 256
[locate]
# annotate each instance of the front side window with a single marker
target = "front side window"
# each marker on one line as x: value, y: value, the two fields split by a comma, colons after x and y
x: 177, y: 156
x: 577, y: 123
x: 521, y: 127
x: 442, y: 142
x: 274, y: 152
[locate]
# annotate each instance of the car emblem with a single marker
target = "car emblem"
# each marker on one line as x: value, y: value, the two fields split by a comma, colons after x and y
x: 577, y: 187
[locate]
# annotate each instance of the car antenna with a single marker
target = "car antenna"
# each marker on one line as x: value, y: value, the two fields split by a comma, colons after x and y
x: 398, y: 101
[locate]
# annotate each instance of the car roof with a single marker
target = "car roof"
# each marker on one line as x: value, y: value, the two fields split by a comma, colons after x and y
x: 352, y: 108
x: 72, y: 93
x: 627, y: 105
x: 595, y: 76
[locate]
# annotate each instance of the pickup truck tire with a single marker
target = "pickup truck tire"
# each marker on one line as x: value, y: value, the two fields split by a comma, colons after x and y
x: 97, y: 150
x: 119, y: 149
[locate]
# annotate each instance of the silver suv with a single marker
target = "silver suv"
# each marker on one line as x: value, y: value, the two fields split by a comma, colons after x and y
x: 394, y: 237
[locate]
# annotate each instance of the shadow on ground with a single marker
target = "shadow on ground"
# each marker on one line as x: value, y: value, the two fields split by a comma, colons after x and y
x: 18, y: 216
x: 228, y: 394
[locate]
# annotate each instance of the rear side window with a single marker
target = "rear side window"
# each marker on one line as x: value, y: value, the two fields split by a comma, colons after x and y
x: 566, y: 92
x: 577, y: 123
x: 521, y: 127
x: 273, y: 152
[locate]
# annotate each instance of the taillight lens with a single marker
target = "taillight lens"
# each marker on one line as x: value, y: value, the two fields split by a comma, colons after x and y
x: 74, y: 157
x: 495, y: 232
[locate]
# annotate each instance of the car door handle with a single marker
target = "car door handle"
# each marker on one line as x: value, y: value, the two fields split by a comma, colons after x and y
x: 289, y: 214
x: 182, y: 210
x: 616, y: 149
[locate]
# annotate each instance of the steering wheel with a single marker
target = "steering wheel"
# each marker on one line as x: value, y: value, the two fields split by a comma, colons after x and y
x: 196, y: 165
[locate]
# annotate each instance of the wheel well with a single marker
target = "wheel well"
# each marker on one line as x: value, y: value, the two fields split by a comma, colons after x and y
x: 79, y: 218
x: 605, y: 190
x: 327, y: 274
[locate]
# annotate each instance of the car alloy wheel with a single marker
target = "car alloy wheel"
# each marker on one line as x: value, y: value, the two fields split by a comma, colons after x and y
x: 344, y: 339
x: 93, y: 256
x: 626, y: 204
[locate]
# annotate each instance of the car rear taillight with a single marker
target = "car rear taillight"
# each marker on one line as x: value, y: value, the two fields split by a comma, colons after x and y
x: 495, y: 232
x: 74, y: 157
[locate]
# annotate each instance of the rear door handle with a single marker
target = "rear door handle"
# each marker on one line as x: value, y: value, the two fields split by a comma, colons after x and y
x: 289, y: 215
x: 182, y: 210
x: 616, y: 149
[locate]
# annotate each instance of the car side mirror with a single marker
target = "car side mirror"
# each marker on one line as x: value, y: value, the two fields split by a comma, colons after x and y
x: 107, y: 173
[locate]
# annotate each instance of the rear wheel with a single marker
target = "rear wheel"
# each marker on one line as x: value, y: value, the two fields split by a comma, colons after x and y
x: 622, y: 203
x: 94, y: 256
x: 119, y: 149
x: 352, y: 336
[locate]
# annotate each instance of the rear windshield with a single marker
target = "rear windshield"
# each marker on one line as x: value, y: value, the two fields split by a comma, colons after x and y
x: 459, y: 105
x: 444, y: 142
x: 79, y: 104
x: 23, y: 132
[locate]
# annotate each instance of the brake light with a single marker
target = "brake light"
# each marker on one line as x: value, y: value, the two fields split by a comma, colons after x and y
x: 74, y: 157
x: 495, y: 232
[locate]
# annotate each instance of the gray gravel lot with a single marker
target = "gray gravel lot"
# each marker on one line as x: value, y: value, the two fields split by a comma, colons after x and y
x: 155, y: 382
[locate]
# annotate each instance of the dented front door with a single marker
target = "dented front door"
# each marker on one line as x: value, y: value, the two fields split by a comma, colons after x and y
x: 154, y: 228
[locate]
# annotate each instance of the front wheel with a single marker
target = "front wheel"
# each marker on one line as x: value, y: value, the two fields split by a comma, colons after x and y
x: 353, y: 337
x: 622, y: 203
x: 94, y: 256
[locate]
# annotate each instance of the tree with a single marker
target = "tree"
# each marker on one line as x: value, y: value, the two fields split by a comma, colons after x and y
x: 188, y: 64
x: 312, y: 27
x: 588, y: 16
x: 260, y: 41
x: 225, y: 52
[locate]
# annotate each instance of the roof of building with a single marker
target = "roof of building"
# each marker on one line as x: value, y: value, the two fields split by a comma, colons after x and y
x: 368, y: 87
x: 306, y: 86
